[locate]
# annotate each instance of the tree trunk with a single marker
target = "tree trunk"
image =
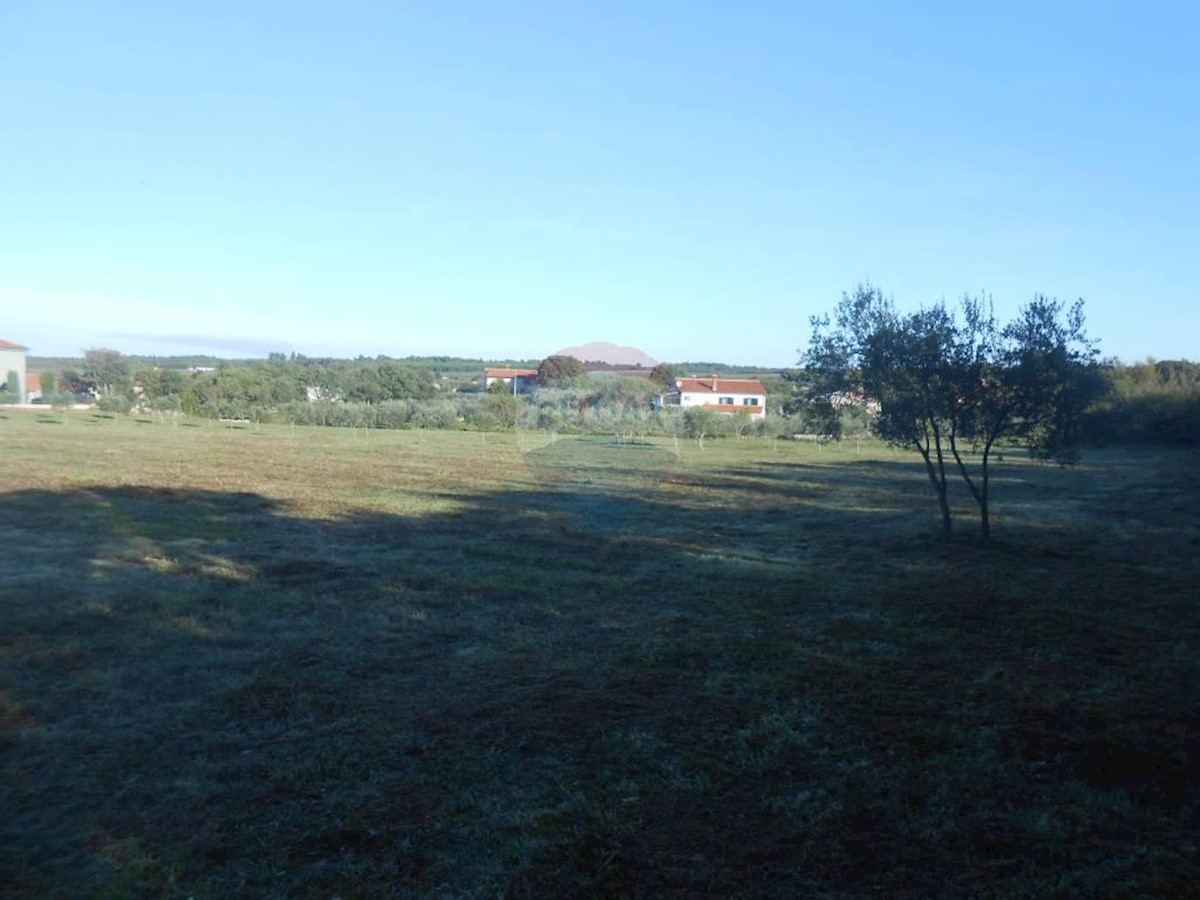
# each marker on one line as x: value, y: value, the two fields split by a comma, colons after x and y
x: 978, y: 491
x: 943, y: 500
x: 985, y: 522
x: 939, y: 485
x: 944, y: 504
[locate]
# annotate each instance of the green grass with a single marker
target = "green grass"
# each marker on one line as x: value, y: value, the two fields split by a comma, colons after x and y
x: 312, y: 663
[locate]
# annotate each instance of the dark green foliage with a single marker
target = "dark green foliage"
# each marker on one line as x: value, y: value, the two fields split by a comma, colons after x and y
x: 504, y: 409
x: 664, y: 374
x: 610, y: 391
x: 556, y: 370
x: 716, y: 368
x: 74, y: 383
x: 808, y: 405
x: 156, y: 382
x: 699, y: 422
x: 387, y: 380
x: 231, y: 390
x: 945, y: 384
x: 108, y: 370
x: 421, y: 392
x: 1151, y: 402
x: 115, y: 403
x: 11, y: 385
x: 1042, y: 378
x: 166, y: 403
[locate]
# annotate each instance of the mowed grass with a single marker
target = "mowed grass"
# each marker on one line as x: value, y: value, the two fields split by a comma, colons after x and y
x: 266, y: 661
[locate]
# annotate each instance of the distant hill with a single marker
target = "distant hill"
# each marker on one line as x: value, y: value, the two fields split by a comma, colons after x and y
x: 603, y: 351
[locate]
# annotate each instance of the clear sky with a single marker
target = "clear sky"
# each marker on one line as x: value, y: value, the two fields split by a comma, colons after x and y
x: 506, y: 179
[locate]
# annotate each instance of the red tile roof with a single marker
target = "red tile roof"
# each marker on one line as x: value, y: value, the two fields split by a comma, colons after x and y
x: 509, y: 373
x: 9, y: 345
x: 33, y: 382
x: 718, y: 385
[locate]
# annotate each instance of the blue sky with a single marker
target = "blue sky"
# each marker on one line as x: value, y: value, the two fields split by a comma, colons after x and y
x: 507, y: 179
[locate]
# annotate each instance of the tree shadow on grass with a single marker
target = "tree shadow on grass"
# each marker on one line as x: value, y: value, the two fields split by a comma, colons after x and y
x: 610, y: 684
x: 1035, y: 507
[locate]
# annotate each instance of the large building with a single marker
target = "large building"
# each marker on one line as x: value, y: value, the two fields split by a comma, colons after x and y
x: 12, y: 359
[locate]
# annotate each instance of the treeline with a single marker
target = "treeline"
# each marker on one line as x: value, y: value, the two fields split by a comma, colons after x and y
x: 1149, y: 402
x: 614, y: 409
x: 1152, y: 402
x: 385, y: 393
x: 232, y: 390
x: 715, y: 368
x: 251, y: 377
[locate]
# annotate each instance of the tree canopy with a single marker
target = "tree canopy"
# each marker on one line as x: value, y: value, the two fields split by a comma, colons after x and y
x: 946, y: 382
x: 664, y: 374
x: 558, y: 369
x: 1156, y: 401
x: 108, y: 369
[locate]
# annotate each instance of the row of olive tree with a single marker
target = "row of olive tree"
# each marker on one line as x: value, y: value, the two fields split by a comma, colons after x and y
x: 544, y: 411
x: 383, y: 393
x: 234, y: 389
x: 388, y: 394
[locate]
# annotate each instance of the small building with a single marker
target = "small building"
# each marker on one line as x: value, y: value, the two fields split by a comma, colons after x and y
x: 723, y: 395
x: 522, y: 381
x: 12, y: 360
x: 33, y: 387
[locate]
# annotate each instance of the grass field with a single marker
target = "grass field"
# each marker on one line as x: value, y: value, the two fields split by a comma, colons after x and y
x: 316, y: 663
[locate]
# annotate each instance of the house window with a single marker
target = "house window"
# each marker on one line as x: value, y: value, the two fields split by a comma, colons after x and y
x: 749, y: 401
x: 726, y: 401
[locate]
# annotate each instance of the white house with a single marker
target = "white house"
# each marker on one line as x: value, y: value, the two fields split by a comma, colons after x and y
x: 526, y: 380
x: 723, y: 395
x: 12, y: 359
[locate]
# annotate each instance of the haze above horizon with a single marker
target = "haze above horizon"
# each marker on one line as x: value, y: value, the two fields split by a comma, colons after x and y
x: 500, y: 181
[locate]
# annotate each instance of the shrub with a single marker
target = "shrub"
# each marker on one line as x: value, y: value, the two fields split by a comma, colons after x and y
x: 115, y: 403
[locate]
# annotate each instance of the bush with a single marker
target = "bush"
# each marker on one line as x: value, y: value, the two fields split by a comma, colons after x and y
x: 115, y: 403
x: 169, y: 403
x: 393, y: 414
x: 439, y: 414
x: 60, y: 399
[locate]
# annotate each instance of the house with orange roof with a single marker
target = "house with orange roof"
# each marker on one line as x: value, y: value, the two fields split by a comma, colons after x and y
x: 12, y: 360
x: 522, y: 381
x: 722, y: 395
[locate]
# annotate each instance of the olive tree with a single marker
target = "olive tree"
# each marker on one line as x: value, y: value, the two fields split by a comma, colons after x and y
x: 664, y: 374
x: 505, y: 409
x: 946, y: 383
x: 108, y: 369
x: 559, y: 370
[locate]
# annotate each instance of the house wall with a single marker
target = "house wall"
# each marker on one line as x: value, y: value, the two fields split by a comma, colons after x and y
x: 13, y: 361
x: 525, y: 384
x: 707, y: 398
